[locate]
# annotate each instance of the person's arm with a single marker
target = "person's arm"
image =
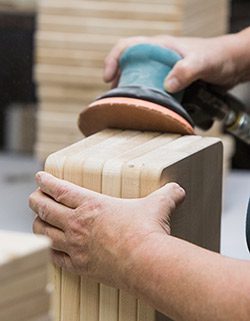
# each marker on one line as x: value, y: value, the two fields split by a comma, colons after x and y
x: 126, y: 243
x: 223, y: 60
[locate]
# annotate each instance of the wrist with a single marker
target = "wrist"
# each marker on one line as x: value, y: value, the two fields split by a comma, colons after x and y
x: 137, y: 272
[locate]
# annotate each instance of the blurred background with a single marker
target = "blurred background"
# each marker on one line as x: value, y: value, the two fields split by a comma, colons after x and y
x: 51, y: 60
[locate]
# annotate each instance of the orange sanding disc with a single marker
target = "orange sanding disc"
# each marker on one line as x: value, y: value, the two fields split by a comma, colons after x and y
x: 131, y: 113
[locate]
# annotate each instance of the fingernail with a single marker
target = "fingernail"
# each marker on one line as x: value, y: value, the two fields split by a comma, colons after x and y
x: 172, y: 84
x: 39, y: 176
x: 182, y: 190
x: 106, y: 75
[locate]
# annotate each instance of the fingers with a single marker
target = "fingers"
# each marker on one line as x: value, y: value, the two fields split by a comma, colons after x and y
x: 183, y: 74
x: 111, y: 66
x: 62, y: 260
x: 62, y: 191
x: 49, y: 210
x: 116, y: 79
x: 112, y: 62
x: 57, y: 236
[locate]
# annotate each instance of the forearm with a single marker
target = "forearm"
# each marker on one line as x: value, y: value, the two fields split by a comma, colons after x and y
x: 242, y: 53
x: 188, y: 283
x: 124, y: 243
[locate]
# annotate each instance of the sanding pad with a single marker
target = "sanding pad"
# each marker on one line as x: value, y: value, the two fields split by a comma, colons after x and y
x: 131, y: 113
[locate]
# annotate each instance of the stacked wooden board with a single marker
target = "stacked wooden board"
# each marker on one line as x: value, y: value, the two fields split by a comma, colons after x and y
x: 18, y: 5
x: 24, y: 278
x: 74, y: 37
x: 131, y: 164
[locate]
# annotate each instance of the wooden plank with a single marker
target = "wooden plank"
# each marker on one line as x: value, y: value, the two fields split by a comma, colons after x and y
x: 24, y: 260
x: 195, y: 8
x: 68, y: 120
x: 27, y: 308
x: 176, y: 161
x: 131, y: 189
x: 149, y: 166
x: 92, y: 179
x: 13, y: 289
x: 90, y: 296
x: 70, y: 94
x: 64, y: 109
x: 20, y: 6
x: 112, y: 182
x: 20, y: 252
x: 216, y: 23
x: 119, y: 10
x: 55, y: 165
x: 68, y: 75
x: 102, y: 26
x: 45, y: 135
x: 56, y: 272
x: 70, y: 57
x: 187, y: 160
x: 43, y: 317
x: 111, y: 185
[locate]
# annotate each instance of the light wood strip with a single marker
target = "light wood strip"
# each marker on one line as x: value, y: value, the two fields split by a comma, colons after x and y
x: 120, y: 9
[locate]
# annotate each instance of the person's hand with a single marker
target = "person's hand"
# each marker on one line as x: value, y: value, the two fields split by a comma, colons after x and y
x: 214, y: 60
x: 97, y: 235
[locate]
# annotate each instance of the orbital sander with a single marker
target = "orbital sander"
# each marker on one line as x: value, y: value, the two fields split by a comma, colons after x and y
x: 140, y: 101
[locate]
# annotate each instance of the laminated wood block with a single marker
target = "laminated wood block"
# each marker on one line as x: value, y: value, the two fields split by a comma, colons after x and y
x: 68, y: 75
x: 184, y: 161
x: 20, y: 252
x: 59, y: 136
x: 111, y: 185
x: 194, y: 8
x: 44, y: 317
x: 217, y: 26
x: 70, y: 95
x: 14, y: 288
x: 24, y: 278
x: 93, y: 168
x: 53, y: 119
x: 23, y: 6
x: 50, y: 39
x: 99, y: 26
x: 132, y: 164
x: 62, y: 107
x: 57, y: 142
x: 163, y: 11
x: 169, y: 2
x: 82, y: 58
x: 55, y: 166
x: 27, y: 308
x: 129, y: 308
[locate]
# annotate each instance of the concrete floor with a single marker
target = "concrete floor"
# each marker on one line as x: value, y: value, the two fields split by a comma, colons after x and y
x: 17, y: 182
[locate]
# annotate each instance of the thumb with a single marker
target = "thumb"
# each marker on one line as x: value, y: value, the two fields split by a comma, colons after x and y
x: 165, y: 200
x: 168, y: 197
x: 183, y: 74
